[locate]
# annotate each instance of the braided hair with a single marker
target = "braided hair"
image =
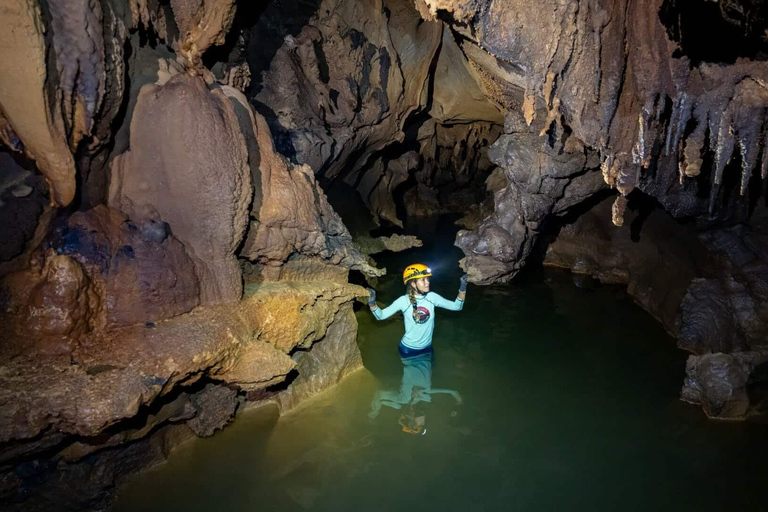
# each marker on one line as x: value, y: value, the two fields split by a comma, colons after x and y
x: 411, y: 290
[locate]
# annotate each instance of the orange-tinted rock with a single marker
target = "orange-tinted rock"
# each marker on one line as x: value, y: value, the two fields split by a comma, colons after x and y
x: 47, y: 306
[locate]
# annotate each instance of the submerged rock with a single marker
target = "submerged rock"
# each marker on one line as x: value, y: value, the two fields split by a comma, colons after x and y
x: 719, y: 382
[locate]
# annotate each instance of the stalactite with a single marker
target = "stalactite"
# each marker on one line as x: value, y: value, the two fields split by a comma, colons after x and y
x: 682, y: 121
x: 672, y: 125
x: 714, y: 126
x: 724, y: 148
x: 610, y: 170
x: 692, y: 161
x: 749, y: 148
x: 628, y: 177
x: 764, y: 167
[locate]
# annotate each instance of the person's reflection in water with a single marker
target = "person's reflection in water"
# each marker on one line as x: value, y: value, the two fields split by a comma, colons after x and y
x: 415, y: 393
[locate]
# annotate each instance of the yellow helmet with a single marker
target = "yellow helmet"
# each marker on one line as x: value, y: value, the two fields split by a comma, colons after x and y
x: 416, y: 271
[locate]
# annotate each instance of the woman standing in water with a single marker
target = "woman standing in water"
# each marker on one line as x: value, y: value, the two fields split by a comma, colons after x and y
x: 418, y: 307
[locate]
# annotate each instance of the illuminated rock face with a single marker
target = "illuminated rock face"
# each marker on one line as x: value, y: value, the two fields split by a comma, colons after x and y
x: 195, y: 368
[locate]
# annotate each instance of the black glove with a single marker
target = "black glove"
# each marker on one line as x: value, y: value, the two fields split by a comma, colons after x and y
x: 371, y: 297
x: 463, y: 284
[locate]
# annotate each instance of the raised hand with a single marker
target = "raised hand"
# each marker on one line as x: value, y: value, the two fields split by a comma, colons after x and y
x: 371, y: 297
x: 463, y: 283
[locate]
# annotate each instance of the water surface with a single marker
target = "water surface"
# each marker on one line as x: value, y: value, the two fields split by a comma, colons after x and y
x: 569, y: 401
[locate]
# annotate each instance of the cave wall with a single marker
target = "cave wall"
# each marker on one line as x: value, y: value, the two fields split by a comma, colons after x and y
x: 610, y: 73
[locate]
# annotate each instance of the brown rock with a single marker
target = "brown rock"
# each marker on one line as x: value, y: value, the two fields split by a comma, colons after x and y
x: 294, y: 216
x: 215, y: 406
x: 48, y: 306
x: 116, y: 375
x: 142, y: 272
x: 196, y: 180
x: 652, y: 254
x: 719, y: 382
x: 201, y: 23
x: 332, y: 358
x: 25, y: 100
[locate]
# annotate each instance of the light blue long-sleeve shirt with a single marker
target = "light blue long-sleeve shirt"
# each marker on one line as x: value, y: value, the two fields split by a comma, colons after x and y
x: 418, y: 334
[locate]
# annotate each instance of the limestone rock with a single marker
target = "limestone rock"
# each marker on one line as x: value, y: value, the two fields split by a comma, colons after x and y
x: 728, y: 310
x: 142, y: 272
x: 196, y: 180
x: 719, y: 382
x: 542, y: 181
x: 201, y: 23
x: 358, y: 70
x: 24, y: 97
x: 215, y: 406
x: 114, y: 376
x: 394, y: 243
x: 332, y: 358
x: 656, y: 257
x: 100, y: 271
x: 47, y: 307
x: 649, y: 105
x: 292, y: 216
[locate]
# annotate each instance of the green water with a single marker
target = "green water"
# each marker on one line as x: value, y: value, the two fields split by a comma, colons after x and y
x: 569, y: 402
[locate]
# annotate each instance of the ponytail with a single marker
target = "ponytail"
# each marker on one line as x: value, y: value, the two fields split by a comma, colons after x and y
x: 412, y: 297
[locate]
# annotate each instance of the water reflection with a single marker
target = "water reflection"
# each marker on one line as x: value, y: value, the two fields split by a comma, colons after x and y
x: 414, y: 395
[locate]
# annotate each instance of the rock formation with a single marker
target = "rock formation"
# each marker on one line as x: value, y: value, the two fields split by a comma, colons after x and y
x: 615, y: 76
x: 161, y: 201
x: 707, y: 288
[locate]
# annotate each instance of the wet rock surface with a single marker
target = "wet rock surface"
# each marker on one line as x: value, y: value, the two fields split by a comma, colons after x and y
x: 136, y: 379
x: 720, y: 382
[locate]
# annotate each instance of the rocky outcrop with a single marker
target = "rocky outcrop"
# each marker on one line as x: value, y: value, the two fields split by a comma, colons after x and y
x: 707, y: 287
x: 728, y: 311
x: 291, y: 218
x: 544, y: 179
x: 149, y: 375
x: 98, y: 271
x: 357, y: 70
x: 720, y: 382
x: 394, y: 243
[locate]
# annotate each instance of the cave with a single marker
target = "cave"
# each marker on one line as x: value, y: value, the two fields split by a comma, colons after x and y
x: 210, y: 210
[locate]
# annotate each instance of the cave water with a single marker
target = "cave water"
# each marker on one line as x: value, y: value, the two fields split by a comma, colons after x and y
x: 568, y: 401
